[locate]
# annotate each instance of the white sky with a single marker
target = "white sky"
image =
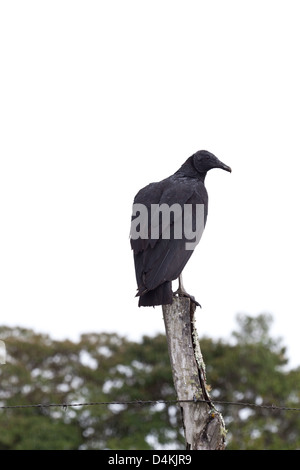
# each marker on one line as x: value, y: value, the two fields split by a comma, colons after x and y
x: 99, y: 98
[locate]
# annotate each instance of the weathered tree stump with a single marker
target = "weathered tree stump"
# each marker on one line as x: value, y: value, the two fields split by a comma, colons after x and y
x: 203, y: 425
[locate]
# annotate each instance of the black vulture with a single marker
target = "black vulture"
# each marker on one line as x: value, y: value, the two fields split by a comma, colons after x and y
x: 161, y: 253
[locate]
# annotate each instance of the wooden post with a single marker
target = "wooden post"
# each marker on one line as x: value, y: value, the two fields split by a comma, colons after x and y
x: 203, y: 425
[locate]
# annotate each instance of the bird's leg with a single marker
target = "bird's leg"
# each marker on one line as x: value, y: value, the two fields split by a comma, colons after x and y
x: 181, y: 292
x: 181, y: 289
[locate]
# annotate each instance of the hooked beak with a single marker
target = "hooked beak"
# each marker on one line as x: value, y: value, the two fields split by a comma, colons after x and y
x: 224, y: 167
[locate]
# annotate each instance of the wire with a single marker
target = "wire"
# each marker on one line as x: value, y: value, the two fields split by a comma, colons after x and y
x: 151, y: 402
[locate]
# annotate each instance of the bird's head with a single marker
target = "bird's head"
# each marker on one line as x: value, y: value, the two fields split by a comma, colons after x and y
x: 204, y: 161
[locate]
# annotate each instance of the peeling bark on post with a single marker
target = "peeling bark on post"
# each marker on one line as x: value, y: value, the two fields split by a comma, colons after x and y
x: 203, y: 425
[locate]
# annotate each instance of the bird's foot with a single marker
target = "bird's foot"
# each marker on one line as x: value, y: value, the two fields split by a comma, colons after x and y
x: 182, y: 293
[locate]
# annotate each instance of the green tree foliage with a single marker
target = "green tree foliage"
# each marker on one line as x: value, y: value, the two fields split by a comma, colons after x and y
x: 249, y: 368
x: 254, y: 370
x: 100, y: 367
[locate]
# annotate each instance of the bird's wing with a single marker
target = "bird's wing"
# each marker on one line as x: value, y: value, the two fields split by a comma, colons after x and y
x: 163, y: 259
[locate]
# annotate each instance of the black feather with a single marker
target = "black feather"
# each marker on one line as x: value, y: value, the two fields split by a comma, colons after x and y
x: 158, y: 261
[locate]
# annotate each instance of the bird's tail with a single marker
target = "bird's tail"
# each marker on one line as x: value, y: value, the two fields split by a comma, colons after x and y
x: 162, y: 295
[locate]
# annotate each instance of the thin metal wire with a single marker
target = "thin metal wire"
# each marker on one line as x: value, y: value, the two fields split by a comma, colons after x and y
x: 151, y: 402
